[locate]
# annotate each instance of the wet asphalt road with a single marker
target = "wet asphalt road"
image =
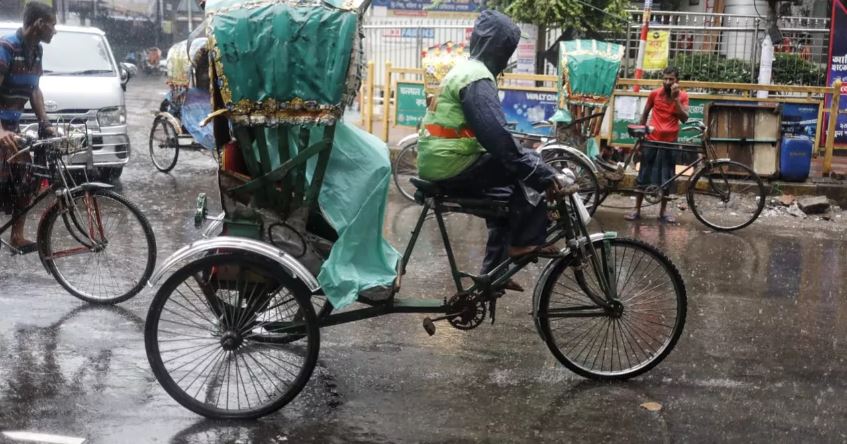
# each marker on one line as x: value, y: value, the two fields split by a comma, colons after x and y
x: 761, y: 358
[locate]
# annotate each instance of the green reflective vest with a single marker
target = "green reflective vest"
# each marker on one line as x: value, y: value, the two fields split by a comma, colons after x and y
x: 441, y: 158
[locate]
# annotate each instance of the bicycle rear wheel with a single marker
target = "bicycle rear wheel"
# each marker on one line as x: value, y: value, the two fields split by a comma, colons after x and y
x: 232, y: 336
x: 101, y: 249
x: 405, y: 168
x: 642, y: 325
x: 163, y: 145
x: 726, y: 195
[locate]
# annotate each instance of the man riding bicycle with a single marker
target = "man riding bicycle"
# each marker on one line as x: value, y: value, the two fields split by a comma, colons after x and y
x: 466, y: 149
x: 20, y: 70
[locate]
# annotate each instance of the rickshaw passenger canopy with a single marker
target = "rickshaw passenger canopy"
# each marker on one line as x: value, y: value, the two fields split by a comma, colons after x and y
x: 588, y: 72
x: 284, y: 61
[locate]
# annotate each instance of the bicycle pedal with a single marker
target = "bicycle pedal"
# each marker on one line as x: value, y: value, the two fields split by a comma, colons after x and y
x: 429, y: 326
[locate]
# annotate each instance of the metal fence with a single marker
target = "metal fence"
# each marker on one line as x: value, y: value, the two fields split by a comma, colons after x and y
x: 705, y: 46
x: 727, y: 47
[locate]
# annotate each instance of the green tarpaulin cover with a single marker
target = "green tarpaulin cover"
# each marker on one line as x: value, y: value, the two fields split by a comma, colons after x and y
x: 353, y: 200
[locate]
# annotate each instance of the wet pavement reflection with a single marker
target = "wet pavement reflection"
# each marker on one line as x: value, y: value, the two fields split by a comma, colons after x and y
x: 760, y: 358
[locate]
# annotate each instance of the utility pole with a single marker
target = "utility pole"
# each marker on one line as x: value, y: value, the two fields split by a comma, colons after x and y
x: 642, y: 43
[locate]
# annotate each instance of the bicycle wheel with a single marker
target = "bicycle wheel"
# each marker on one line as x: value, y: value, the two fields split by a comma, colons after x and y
x: 101, y: 249
x: 232, y: 336
x: 164, y: 145
x: 589, y: 188
x: 405, y: 168
x: 642, y: 325
x: 726, y: 195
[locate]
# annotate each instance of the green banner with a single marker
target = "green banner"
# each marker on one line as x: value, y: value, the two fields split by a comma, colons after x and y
x: 628, y: 110
x: 411, y: 104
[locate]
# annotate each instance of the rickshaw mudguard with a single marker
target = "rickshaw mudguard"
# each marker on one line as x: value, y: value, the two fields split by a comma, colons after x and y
x: 231, y: 243
x: 571, y: 150
x: 177, y: 125
x: 545, y: 276
x: 407, y: 140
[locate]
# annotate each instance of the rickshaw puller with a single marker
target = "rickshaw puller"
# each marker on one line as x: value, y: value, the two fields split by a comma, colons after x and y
x: 466, y: 149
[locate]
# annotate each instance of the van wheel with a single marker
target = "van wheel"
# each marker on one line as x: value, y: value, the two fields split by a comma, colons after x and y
x: 111, y: 174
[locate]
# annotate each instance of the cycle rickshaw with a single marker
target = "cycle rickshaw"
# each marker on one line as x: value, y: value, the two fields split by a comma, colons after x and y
x: 234, y: 331
x: 177, y: 123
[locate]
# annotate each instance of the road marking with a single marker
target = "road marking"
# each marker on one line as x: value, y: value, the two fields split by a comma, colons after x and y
x: 43, y: 438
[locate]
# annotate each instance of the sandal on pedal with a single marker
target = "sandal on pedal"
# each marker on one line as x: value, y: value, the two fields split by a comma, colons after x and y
x: 546, y: 251
x: 513, y: 286
x: 26, y: 248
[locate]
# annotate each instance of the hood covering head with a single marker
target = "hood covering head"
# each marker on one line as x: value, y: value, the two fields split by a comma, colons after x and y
x: 494, y: 39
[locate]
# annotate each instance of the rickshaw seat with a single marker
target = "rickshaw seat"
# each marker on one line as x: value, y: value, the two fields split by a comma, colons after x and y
x: 475, y: 206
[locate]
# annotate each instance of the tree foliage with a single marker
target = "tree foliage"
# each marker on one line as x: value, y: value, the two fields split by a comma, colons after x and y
x: 594, y: 15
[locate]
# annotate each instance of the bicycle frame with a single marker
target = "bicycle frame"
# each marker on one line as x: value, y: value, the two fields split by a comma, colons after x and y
x: 705, y: 151
x: 84, y: 233
x: 568, y: 226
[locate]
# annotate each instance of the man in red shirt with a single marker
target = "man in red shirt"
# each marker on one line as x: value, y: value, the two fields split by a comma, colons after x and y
x: 669, y: 107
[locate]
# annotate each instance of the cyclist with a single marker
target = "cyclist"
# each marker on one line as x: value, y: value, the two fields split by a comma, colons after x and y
x: 466, y: 149
x: 667, y: 107
x: 20, y: 70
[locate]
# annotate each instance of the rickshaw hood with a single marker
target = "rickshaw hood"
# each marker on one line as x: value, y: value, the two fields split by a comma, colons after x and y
x: 494, y: 39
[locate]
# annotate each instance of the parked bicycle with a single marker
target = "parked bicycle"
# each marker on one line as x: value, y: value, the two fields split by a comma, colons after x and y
x: 96, y: 243
x: 724, y: 195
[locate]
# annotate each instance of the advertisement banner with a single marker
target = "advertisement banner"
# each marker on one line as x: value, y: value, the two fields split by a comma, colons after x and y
x: 799, y: 119
x: 628, y: 111
x: 429, y: 7
x: 411, y: 104
x: 523, y: 108
x: 837, y: 67
x: 657, y: 50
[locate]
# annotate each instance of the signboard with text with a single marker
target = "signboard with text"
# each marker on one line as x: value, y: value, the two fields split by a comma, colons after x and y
x: 411, y: 104
x: 837, y: 66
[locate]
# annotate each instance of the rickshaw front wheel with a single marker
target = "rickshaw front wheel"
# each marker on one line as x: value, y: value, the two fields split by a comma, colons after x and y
x: 232, y: 336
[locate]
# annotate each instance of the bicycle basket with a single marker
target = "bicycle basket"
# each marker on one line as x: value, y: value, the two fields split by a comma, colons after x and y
x: 74, y: 142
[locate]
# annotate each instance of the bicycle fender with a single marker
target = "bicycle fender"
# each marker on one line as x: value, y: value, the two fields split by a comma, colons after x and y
x: 286, y: 261
x: 172, y: 120
x: 407, y: 140
x: 559, y: 147
x: 90, y: 186
x: 545, y: 277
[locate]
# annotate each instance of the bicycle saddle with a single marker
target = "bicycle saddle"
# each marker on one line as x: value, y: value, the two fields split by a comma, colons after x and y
x: 637, y: 130
x: 427, y: 188
x: 484, y: 207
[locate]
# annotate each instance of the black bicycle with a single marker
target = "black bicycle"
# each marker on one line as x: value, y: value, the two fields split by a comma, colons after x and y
x: 723, y: 194
x: 96, y: 243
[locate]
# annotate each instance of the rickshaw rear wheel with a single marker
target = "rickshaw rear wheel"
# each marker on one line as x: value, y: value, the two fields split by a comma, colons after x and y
x: 163, y: 144
x: 232, y: 336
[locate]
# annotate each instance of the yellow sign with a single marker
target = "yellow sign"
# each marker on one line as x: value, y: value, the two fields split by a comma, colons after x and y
x: 656, y: 54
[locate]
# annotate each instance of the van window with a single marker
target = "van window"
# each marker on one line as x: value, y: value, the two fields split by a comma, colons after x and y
x: 75, y: 53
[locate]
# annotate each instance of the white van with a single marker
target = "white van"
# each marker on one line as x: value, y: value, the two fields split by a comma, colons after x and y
x: 83, y: 83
